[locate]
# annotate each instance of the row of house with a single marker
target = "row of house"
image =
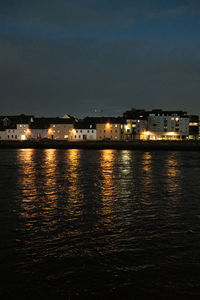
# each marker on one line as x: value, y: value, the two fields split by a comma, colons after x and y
x: 135, y: 124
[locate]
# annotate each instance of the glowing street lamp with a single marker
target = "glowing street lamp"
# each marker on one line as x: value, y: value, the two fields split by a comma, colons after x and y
x: 50, y: 131
x: 28, y: 131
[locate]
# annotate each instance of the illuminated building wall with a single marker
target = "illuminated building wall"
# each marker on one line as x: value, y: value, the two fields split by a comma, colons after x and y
x: 38, y: 133
x: 167, y: 127
x: 77, y: 134
x: 20, y: 132
x: 194, y: 127
x: 110, y: 131
x: 134, y: 128
x: 60, y: 131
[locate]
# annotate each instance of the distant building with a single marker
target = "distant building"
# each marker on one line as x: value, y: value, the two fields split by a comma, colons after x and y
x: 15, y: 127
x: 160, y: 125
x: 167, y: 125
x: 193, y: 127
x: 135, y: 123
x: 84, y: 130
x: 110, y: 128
x: 52, y: 128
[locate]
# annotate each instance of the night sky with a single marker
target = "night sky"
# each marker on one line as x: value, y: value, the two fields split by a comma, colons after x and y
x: 73, y: 56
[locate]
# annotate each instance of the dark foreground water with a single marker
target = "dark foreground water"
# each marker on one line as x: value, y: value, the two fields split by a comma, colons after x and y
x: 99, y: 224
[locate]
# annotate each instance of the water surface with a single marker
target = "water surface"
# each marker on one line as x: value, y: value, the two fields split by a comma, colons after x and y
x: 99, y: 224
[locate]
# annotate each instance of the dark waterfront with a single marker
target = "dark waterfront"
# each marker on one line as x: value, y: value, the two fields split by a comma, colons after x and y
x: 99, y: 224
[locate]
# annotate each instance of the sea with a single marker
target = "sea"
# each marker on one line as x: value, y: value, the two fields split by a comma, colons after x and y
x: 99, y: 224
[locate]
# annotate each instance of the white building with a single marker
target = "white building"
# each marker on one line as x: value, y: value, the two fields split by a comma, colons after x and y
x: 20, y: 133
x: 84, y: 130
x: 82, y: 134
x: 167, y: 127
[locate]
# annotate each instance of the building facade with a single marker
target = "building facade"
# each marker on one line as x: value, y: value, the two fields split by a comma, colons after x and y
x: 160, y: 125
x: 110, y: 129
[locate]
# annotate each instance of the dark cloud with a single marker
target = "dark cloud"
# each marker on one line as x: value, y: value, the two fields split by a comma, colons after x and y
x: 79, y: 14
x: 57, y: 57
x: 74, y: 76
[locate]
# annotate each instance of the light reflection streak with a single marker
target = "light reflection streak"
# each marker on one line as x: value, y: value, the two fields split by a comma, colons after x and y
x: 126, y: 174
x: 108, y: 185
x: 173, y: 173
x: 146, y: 178
x: 26, y: 182
x: 72, y: 176
x: 49, y: 172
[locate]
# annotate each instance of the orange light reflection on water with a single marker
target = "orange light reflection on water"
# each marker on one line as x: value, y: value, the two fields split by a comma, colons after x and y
x: 173, y: 173
x: 146, y: 178
x: 108, y: 185
x: 72, y: 175
x: 26, y: 182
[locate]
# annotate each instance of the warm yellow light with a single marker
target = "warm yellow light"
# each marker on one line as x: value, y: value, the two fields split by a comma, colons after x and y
x: 23, y: 137
x: 28, y: 132
x: 73, y: 131
x: 171, y: 133
x: 50, y: 131
x: 193, y: 124
x: 107, y: 125
x: 147, y: 132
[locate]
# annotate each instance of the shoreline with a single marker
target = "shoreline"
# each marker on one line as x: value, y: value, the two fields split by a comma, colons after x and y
x: 99, y: 145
